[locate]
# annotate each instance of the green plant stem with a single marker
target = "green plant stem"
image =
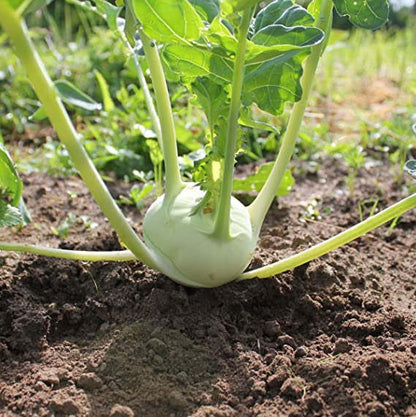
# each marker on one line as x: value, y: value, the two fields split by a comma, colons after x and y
x: 222, y: 220
x: 170, y: 152
x: 16, y: 29
x: 335, y: 242
x: 147, y: 97
x: 259, y: 207
x: 76, y: 255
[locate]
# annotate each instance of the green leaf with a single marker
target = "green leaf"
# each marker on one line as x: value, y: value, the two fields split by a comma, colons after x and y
x: 191, y: 62
x: 168, y: 21
x: 275, y: 82
x: 410, y: 168
x: 256, y: 181
x: 39, y: 114
x: 207, y: 9
x: 15, y: 4
x: 9, y: 215
x: 237, y: 5
x: 282, y: 12
x: 24, y: 212
x: 103, y: 8
x: 105, y: 92
x: 367, y: 14
x: 219, y: 36
x: 27, y: 6
x: 10, y: 183
x: 281, y: 27
x: 314, y: 8
x: 247, y: 118
x: 298, y: 36
x: 71, y: 94
x: 130, y: 27
x: 109, y: 12
x: 283, y: 35
x: 213, y: 98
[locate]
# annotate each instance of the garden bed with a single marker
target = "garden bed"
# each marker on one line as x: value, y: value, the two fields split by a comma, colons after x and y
x: 332, y: 338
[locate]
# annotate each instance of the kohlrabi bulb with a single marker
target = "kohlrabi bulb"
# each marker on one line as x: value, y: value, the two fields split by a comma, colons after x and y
x: 185, y: 248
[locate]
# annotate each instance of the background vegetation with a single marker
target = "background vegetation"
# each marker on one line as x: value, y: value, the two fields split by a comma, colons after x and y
x: 362, y: 111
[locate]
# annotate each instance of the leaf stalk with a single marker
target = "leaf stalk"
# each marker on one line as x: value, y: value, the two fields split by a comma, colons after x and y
x: 76, y: 255
x: 222, y: 220
x: 259, y: 207
x: 335, y: 242
x: 16, y: 29
x: 174, y: 183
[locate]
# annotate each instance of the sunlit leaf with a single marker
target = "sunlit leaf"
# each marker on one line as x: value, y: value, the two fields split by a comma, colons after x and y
x: 282, y: 12
x: 275, y: 82
x: 314, y: 8
x: 247, y: 119
x: 167, y: 20
x: 190, y: 62
x: 237, y: 5
x: 39, y: 114
x: 9, y: 215
x: 207, y: 9
x: 368, y: 14
x: 105, y: 92
x: 10, y: 181
x: 296, y: 36
x: 103, y: 8
x: 256, y: 181
x: 73, y: 95
x: 27, y: 6
x: 213, y: 99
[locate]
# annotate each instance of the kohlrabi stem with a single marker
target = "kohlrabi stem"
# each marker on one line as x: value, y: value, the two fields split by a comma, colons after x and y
x: 170, y: 152
x: 222, y: 220
x: 335, y: 242
x: 76, y: 255
x: 15, y: 28
x: 259, y: 207
x: 147, y: 97
x: 145, y: 89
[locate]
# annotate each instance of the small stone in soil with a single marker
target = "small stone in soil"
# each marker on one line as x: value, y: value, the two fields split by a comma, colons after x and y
x: 272, y: 328
x: 342, y: 346
x: 276, y: 380
x: 157, y: 346
x: 89, y: 381
x: 287, y: 340
x: 65, y: 406
x: 176, y: 400
x: 121, y: 411
x: 49, y: 378
x: 292, y: 388
x: 300, y: 352
x: 376, y: 409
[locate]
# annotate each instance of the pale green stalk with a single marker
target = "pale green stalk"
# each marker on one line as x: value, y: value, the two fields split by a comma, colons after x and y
x: 222, y: 221
x: 170, y: 152
x: 259, y: 207
x: 147, y: 97
x: 335, y: 242
x: 76, y: 255
x: 15, y: 28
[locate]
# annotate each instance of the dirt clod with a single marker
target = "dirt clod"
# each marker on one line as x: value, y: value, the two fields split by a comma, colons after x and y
x: 65, y: 406
x: 89, y: 381
x: 121, y: 411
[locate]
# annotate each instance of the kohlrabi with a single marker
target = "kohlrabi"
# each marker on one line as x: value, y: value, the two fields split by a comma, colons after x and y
x: 233, y: 56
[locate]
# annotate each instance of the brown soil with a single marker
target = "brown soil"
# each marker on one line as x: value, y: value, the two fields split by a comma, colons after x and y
x: 335, y: 337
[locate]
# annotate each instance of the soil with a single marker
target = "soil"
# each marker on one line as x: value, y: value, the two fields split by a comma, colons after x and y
x: 335, y: 337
